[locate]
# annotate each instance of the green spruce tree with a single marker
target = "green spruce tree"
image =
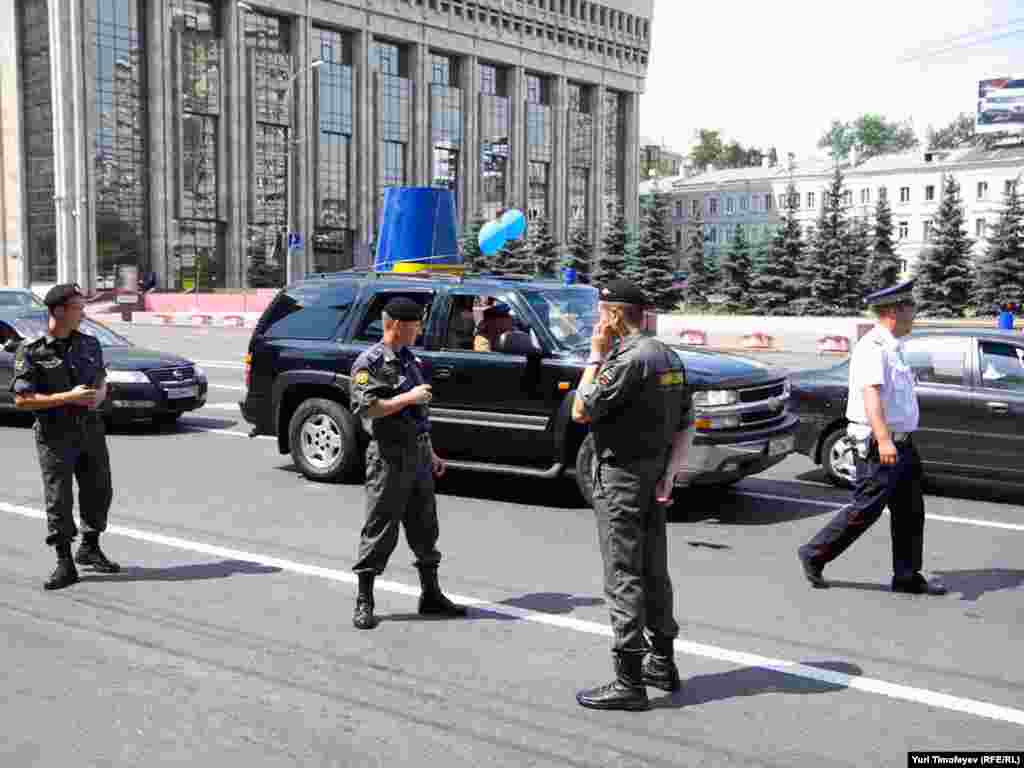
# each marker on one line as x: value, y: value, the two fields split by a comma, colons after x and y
x: 578, y: 254
x: 634, y: 266
x: 543, y: 249
x: 884, y: 267
x: 944, y: 271
x: 699, y: 283
x: 1000, y: 275
x: 858, y: 258
x: 828, y: 266
x: 611, y: 264
x: 776, y: 286
x: 656, y: 251
x: 736, y: 274
x: 514, y: 258
x: 472, y: 258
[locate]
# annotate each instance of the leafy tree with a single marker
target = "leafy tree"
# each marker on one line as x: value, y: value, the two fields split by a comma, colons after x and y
x: 733, y: 155
x: 736, y: 274
x: 578, y: 254
x: 828, y: 251
x: 708, y: 150
x: 699, y: 283
x: 871, y: 134
x: 884, y: 267
x: 655, y: 253
x: 472, y: 258
x: 944, y: 279
x: 611, y: 264
x: 776, y: 285
x: 1000, y: 277
x: 543, y: 249
x: 959, y: 132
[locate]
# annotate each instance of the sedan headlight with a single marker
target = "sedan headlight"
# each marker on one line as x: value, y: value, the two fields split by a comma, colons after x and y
x: 127, y: 377
x: 715, y: 397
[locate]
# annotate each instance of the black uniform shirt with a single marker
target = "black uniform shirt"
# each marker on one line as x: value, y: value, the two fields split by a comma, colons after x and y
x: 380, y: 374
x: 638, y: 401
x: 48, y: 365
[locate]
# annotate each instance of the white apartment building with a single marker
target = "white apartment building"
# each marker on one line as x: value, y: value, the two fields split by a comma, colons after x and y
x: 754, y: 198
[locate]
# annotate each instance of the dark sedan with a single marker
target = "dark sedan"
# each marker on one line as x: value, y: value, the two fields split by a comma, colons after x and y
x: 970, y: 386
x: 142, y: 383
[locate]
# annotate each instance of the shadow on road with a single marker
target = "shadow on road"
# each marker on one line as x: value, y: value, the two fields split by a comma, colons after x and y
x: 972, y: 584
x: 485, y: 486
x: 552, y: 602
x: 752, y: 681
x: 192, y: 572
x: 733, y: 507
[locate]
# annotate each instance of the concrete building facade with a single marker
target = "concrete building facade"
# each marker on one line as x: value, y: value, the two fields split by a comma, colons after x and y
x: 912, y: 182
x: 190, y: 138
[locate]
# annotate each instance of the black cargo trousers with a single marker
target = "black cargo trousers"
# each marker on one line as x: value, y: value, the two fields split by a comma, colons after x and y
x: 74, y: 444
x: 399, y: 492
x: 631, y: 529
x: 897, y: 486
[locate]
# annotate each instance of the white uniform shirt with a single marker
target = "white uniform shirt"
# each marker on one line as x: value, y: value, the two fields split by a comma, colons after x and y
x: 878, y: 361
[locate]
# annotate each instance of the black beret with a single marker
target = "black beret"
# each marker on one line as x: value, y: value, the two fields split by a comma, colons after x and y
x: 622, y: 292
x: 401, y: 308
x: 60, y: 294
x: 501, y: 309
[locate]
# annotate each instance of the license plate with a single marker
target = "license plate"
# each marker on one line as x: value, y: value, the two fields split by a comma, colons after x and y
x: 182, y: 392
x: 781, y: 445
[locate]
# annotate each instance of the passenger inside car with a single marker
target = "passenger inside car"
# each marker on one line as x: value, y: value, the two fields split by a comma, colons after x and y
x: 497, y: 319
x: 462, y: 325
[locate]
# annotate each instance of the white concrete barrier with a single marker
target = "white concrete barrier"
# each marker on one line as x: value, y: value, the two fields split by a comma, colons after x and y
x: 204, y: 319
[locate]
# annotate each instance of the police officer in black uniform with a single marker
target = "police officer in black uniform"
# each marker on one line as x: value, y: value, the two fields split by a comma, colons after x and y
x: 389, y: 393
x: 633, y: 395
x: 61, y: 377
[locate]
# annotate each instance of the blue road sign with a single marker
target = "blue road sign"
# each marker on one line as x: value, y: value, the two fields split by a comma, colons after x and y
x: 294, y: 239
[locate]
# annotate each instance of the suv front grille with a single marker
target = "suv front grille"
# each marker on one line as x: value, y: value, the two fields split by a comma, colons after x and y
x: 762, y: 393
x: 167, y: 375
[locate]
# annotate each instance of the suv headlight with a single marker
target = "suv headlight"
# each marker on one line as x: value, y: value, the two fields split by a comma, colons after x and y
x: 127, y: 377
x: 715, y: 397
x: 199, y: 372
x: 787, y: 389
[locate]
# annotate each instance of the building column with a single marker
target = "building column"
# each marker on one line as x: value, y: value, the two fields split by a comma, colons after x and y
x: 515, y: 194
x: 596, y: 214
x: 232, y: 145
x: 158, y: 106
x: 560, y: 161
x: 631, y: 164
x: 364, y: 147
x: 469, y: 152
x: 69, y: 174
x: 421, y: 143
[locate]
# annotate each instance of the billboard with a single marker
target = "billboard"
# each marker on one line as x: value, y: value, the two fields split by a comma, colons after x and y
x: 1000, y: 105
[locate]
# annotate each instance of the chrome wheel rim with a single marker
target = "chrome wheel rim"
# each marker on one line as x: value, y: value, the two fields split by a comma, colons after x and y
x: 840, y: 460
x: 321, y: 441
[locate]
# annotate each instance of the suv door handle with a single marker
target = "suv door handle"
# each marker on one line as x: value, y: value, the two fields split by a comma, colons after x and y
x: 443, y: 372
x: 998, y: 408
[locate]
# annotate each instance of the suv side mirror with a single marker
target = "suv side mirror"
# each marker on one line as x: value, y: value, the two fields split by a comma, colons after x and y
x: 516, y: 343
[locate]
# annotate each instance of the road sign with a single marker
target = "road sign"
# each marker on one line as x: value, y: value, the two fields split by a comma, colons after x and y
x: 294, y: 239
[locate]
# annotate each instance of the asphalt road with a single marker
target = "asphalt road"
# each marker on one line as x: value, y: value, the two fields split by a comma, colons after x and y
x: 227, y: 638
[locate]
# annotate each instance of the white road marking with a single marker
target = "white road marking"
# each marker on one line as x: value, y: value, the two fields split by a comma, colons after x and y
x: 881, y: 687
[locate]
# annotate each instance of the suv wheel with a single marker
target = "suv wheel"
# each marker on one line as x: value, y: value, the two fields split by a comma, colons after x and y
x: 837, y: 458
x: 324, y: 440
x: 585, y: 469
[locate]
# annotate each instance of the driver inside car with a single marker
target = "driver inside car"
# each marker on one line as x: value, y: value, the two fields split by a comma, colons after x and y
x: 497, y: 319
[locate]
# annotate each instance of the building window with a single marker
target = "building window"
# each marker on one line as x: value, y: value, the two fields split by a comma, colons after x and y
x: 979, y: 227
x: 883, y: 193
x: 712, y: 206
x: 495, y: 125
x: 810, y: 200
x: 394, y: 115
x: 581, y: 156
x: 904, y: 230
x: 614, y: 138
x: 865, y: 196
x: 730, y: 206
x: 768, y: 201
x: 928, y: 230
x: 982, y: 190
x: 536, y: 90
x: 577, y: 99
x: 929, y: 192
x: 37, y: 116
x: 903, y: 266
x: 848, y: 197
x: 744, y: 203
x: 782, y: 202
x: 679, y: 238
x: 712, y: 236
x: 679, y: 209
x: 904, y: 194
x: 443, y: 70
x: 1008, y: 186
x: 695, y: 207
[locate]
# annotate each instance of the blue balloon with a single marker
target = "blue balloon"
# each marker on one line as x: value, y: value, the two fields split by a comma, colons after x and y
x: 514, y: 224
x: 491, y: 238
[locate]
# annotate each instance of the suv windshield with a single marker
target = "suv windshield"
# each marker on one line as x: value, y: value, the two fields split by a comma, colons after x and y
x: 30, y: 326
x: 569, y: 312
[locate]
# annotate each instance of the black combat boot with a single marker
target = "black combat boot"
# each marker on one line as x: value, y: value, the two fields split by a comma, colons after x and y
x: 89, y: 553
x: 65, y: 573
x: 625, y: 692
x: 432, y: 600
x: 659, y: 668
x: 362, y: 617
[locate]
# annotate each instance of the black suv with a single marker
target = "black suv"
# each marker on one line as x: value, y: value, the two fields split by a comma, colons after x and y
x: 506, y: 410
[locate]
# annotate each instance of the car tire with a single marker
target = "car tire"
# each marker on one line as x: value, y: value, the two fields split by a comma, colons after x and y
x: 837, y: 458
x: 585, y: 469
x: 324, y: 440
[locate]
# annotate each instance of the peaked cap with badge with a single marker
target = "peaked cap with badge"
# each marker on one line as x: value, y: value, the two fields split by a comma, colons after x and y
x: 622, y: 292
x: 897, y: 294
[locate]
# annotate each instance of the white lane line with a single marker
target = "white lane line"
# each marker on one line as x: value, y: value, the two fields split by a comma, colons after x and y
x: 835, y: 505
x: 869, y: 685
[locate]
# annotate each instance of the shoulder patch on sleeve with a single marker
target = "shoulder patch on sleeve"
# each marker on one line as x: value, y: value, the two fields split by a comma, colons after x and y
x: 605, y: 378
x: 362, y: 377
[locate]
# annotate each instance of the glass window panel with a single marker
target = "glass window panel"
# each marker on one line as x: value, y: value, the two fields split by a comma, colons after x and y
x: 613, y: 155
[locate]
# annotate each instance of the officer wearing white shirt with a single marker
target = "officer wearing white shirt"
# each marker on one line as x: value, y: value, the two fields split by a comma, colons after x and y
x: 883, y: 414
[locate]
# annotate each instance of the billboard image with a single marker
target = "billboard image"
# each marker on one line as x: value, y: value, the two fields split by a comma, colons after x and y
x: 1000, y: 105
